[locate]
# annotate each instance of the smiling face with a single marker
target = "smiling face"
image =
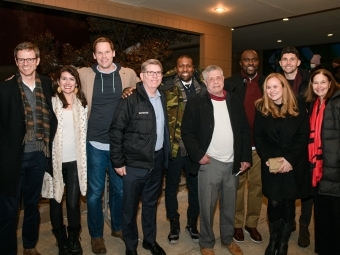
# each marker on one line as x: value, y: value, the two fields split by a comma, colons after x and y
x: 27, y: 69
x: 289, y: 63
x: 185, y: 69
x: 150, y: 79
x: 215, y: 82
x: 104, y: 56
x: 249, y: 62
x: 274, y: 90
x: 321, y: 85
x: 67, y: 83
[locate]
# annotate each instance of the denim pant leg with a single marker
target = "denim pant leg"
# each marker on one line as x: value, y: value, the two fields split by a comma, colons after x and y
x: 96, y: 172
x: 34, y: 165
x: 115, y: 197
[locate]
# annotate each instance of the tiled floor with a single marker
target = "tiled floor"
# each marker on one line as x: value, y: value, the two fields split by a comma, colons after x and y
x: 185, y: 246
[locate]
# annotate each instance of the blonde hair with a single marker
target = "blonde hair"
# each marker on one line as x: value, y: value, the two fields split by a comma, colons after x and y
x: 289, y: 103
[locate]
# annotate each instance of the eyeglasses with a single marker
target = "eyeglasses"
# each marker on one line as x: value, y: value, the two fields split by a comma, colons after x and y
x: 152, y: 73
x: 29, y: 60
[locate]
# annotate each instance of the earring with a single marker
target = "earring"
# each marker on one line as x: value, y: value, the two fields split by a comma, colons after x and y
x: 75, y: 90
x: 59, y: 89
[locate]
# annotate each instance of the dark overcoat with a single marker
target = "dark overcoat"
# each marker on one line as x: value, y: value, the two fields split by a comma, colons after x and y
x: 13, y: 130
x: 292, y: 144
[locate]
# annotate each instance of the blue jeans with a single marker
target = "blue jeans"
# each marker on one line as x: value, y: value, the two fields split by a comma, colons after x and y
x: 97, y: 163
x: 29, y: 186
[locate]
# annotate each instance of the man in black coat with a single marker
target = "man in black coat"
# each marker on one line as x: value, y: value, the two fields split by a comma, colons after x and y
x: 27, y: 128
x: 216, y: 135
x: 248, y: 86
x: 139, y: 149
x: 298, y: 79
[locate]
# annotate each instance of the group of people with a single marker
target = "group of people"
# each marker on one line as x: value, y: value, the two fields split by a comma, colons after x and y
x: 225, y: 133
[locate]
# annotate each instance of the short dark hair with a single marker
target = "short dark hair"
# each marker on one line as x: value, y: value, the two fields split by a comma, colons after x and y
x: 184, y: 56
x: 290, y: 49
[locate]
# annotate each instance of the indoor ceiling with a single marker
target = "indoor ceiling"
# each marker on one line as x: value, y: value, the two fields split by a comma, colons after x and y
x: 258, y: 23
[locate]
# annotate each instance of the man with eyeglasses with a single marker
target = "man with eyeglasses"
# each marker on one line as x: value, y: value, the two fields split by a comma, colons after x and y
x: 249, y: 88
x: 178, y: 88
x: 216, y: 135
x: 139, y: 145
x: 102, y: 85
x: 27, y: 128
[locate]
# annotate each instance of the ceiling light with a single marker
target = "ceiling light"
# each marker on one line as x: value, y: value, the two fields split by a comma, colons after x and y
x: 330, y: 35
x: 285, y: 19
x: 232, y: 29
x: 279, y: 40
x: 219, y: 9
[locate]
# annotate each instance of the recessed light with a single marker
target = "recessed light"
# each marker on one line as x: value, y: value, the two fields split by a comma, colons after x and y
x: 232, y: 29
x: 285, y: 19
x: 219, y: 9
x: 279, y: 40
x: 330, y: 35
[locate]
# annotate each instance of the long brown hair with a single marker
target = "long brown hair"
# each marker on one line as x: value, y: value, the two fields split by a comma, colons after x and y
x: 80, y: 95
x: 289, y: 103
x: 333, y: 86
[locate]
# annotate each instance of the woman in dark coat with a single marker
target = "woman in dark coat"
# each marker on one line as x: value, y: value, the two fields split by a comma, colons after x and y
x: 324, y: 154
x: 281, y: 130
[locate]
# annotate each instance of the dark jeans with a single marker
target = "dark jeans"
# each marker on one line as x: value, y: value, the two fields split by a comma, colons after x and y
x: 173, y: 175
x: 70, y: 176
x: 142, y: 184
x: 29, y: 186
x: 98, y: 163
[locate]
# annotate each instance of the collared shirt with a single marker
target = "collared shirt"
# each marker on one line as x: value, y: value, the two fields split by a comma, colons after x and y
x: 158, y: 108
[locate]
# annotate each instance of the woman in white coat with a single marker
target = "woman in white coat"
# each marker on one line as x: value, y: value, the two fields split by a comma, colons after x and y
x: 68, y: 160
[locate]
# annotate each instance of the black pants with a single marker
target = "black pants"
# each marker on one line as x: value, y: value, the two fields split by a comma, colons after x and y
x: 327, y: 223
x: 306, y: 210
x: 141, y: 183
x: 173, y: 175
x: 70, y: 176
x: 29, y: 186
x: 281, y: 209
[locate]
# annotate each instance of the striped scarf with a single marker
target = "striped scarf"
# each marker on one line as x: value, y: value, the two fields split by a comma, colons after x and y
x: 42, y: 135
x: 315, y: 144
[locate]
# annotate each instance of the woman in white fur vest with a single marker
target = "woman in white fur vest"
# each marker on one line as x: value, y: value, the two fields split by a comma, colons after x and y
x: 69, y: 166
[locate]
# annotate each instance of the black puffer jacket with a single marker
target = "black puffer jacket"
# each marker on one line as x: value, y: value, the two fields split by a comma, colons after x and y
x: 133, y: 131
x: 330, y: 181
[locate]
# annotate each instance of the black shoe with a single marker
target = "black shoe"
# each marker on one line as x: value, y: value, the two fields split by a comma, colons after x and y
x: 174, y: 231
x: 154, y: 248
x: 191, y: 228
x: 131, y: 252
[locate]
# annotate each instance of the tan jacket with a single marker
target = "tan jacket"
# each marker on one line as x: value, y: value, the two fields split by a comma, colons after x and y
x: 87, y: 76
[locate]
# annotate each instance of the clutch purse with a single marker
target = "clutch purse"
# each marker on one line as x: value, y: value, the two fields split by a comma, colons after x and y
x: 274, y: 164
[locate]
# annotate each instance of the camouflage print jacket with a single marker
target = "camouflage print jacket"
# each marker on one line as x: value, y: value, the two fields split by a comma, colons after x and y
x: 175, y: 101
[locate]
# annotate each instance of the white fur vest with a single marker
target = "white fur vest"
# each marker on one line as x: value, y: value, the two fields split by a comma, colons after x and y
x: 53, y: 187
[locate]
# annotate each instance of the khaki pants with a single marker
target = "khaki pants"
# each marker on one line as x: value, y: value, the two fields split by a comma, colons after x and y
x: 254, y: 199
